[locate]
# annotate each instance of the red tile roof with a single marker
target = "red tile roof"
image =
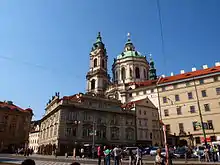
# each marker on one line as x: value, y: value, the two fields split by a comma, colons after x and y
x: 130, y: 104
x: 11, y: 106
x: 145, y: 83
x: 190, y: 74
x: 75, y: 97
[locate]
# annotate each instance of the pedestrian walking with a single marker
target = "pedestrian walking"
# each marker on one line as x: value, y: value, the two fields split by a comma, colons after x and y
x: 206, y: 154
x: 138, y: 156
x: 116, y: 154
x: 107, y: 153
x: 99, y: 154
x: 159, y: 159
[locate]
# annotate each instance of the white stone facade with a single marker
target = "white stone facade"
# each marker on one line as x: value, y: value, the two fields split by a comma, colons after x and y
x: 34, y: 139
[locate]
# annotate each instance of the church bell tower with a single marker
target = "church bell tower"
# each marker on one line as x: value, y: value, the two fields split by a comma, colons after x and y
x: 97, y: 77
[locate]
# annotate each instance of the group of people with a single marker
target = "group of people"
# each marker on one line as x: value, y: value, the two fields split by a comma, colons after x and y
x: 106, y: 153
x: 211, y: 153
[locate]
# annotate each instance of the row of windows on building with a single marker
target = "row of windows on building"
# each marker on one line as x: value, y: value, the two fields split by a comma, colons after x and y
x: 138, y: 92
x: 182, y: 129
x: 123, y: 75
x: 192, y: 109
x: 190, y: 95
x: 49, y: 132
x: 34, y: 141
x: 100, y: 133
x: 201, y: 81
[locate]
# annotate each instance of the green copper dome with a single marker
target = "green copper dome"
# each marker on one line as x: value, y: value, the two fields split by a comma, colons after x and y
x: 129, y: 50
x: 132, y: 53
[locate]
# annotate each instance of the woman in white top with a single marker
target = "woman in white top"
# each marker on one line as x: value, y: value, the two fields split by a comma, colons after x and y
x: 159, y: 159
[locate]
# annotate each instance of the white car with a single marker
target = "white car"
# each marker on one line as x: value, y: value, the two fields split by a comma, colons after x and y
x: 153, y: 151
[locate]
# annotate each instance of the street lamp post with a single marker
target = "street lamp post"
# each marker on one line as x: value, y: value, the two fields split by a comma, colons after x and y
x: 159, y: 104
x: 76, y: 122
x: 93, y: 139
x: 200, y: 112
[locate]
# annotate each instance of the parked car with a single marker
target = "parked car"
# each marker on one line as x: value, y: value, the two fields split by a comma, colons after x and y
x: 153, y: 151
x: 146, y: 151
x: 127, y: 149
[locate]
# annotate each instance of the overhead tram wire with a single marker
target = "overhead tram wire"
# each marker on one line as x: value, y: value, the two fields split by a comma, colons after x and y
x: 52, y: 70
x: 161, y: 34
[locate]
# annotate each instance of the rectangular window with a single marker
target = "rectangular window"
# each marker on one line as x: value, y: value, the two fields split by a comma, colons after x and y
x: 210, y: 124
x: 145, y: 122
x: 192, y: 109
x: 181, y: 127
x: 166, y: 112
x: 204, y: 93
x: 144, y: 92
x: 190, y: 96
x: 178, y: 111
x: 168, y: 127
x: 201, y: 81
x: 139, y: 112
x: 164, y: 99
x: 139, y: 122
x: 68, y: 131
x: 177, y: 98
x: 152, y: 90
x: 206, y: 107
x: 216, y: 78
x: 217, y: 91
x: 187, y: 84
x: 198, y: 140
x: 163, y: 89
x: 195, y: 123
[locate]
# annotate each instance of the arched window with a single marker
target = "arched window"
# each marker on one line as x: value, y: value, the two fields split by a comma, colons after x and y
x: 123, y: 74
x: 116, y: 75
x: 103, y: 63
x: 137, y: 72
x: 131, y: 72
x: 145, y: 75
x: 93, y: 84
x: 95, y: 62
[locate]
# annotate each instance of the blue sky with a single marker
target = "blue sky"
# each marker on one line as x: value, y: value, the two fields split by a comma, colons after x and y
x: 45, y: 44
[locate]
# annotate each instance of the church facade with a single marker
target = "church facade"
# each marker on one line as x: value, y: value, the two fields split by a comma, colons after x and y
x: 99, y: 116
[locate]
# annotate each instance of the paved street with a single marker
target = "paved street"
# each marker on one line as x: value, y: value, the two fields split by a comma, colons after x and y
x: 48, y: 160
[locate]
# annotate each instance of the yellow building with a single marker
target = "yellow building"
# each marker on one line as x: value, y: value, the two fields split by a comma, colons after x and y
x: 187, y: 99
x: 14, y: 126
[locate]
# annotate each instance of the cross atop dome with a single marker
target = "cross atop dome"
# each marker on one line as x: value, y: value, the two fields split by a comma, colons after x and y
x: 129, y: 36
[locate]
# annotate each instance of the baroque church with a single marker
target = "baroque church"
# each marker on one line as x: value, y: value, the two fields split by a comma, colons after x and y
x: 130, y: 66
x: 105, y: 114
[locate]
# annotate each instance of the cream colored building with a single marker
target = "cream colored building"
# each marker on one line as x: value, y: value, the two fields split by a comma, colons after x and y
x: 14, y: 126
x: 181, y: 97
x: 69, y: 122
x: 34, y: 136
x: 147, y: 122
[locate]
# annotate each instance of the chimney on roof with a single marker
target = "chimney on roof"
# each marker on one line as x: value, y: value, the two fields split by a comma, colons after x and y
x: 217, y: 64
x: 193, y: 69
x: 171, y: 74
x: 163, y: 75
x: 182, y: 72
x: 205, y: 66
